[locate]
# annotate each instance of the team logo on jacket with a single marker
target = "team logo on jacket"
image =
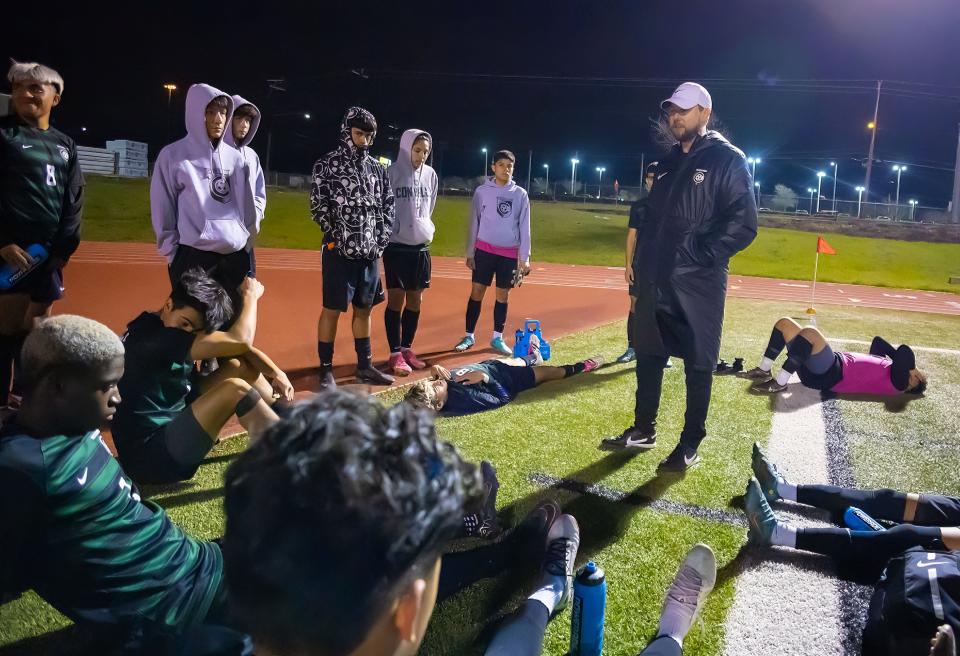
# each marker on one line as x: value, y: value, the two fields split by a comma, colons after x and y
x: 504, y: 207
x: 220, y: 188
x: 699, y: 176
x: 64, y: 153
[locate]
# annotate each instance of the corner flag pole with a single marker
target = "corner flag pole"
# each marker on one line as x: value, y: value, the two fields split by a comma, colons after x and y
x: 813, y: 296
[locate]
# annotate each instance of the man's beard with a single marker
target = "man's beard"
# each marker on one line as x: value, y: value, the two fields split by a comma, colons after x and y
x: 687, y: 134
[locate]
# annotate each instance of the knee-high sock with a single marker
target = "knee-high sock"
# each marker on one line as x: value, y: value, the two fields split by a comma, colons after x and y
x: 798, y: 351
x: 362, y: 347
x: 473, y: 315
x: 775, y: 345
x: 869, y: 546
x: 325, y: 353
x: 409, y: 321
x: 879, y: 504
x: 499, y: 316
x: 391, y: 321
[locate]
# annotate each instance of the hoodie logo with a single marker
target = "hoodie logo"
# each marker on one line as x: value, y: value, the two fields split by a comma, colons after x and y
x: 504, y: 207
x: 220, y: 188
x: 699, y: 176
x: 64, y: 153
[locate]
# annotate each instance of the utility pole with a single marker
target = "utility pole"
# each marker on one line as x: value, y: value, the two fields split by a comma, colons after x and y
x: 956, y: 184
x: 873, y: 141
x: 529, y: 168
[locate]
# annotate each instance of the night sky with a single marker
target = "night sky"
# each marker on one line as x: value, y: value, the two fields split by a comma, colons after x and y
x: 423, y: 65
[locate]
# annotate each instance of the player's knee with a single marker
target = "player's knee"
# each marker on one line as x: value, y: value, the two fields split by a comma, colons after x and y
x: 413, y: 300
x: 784, y: 323
x: 232, y: 389
x: 812, y: 335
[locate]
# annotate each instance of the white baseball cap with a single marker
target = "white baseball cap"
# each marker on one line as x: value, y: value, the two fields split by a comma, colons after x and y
x: 687, y: 95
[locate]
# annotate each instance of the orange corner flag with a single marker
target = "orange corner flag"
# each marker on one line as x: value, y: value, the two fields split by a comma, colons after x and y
x: 824, y: 247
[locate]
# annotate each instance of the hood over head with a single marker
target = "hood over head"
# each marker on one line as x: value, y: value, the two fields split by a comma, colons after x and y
x: 406, y: 147
x: 356, y: 117
x: 238, y: 102
x: 198, y: 97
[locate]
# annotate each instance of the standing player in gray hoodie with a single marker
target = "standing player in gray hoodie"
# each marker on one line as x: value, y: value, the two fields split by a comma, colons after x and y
x: 406, y: 261
x: 498, y: 244
x: 246, y: 121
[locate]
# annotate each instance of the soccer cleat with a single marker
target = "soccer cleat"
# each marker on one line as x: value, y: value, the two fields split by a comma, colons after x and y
x: 632, y: 438
x: 371, y: 374
x: 529, y: 539
x: 767, y: 474
x: 769, y: 386
x: 412, y: 359
x: 592, y: 364
x: 628, y: 356
x: 465, y: 343
x: 327, y: 381
x: 563, y: 540
x: 500, y: 346
x: 680, y: 460
x: 686, y: 595
x: 755, y: 374
x: 398, y: 365
x: 760, y: 517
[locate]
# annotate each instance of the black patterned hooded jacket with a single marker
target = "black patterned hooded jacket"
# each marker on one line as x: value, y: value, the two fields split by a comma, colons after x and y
x: 351, y: 198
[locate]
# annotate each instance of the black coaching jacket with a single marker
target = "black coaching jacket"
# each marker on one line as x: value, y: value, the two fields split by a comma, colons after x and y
x: 700, y: 212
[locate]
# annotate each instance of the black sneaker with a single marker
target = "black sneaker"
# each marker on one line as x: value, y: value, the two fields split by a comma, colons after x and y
x: 327, y: 381
x: 373, y: 375
x: 483, y: 523
x: 680, y: 459
x: 632, y: 438
x: 529, y: 539
x: 769, y: 386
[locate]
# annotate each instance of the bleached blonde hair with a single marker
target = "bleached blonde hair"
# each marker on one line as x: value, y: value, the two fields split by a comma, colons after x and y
x: 67, y: 341
x: 20, y: 71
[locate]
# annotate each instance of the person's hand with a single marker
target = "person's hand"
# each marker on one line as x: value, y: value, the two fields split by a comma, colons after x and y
x: 472, y: 377
x: 628, y: 274
x: 471, y: 264
x: 439, y: 372
x: 281, y: 386
x: 16, y: 257
x: 251, y: 288
x: 525, y: 268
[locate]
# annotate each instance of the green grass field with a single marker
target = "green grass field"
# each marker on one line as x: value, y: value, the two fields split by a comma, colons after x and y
x: 555, y: 429
x: 118, y: 210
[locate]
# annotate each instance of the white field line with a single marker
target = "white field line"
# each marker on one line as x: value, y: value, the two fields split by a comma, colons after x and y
x: 785, y: 602
x: 928, y: 349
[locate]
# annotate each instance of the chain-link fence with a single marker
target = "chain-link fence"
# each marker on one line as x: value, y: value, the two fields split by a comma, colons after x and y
x: 844, y: 209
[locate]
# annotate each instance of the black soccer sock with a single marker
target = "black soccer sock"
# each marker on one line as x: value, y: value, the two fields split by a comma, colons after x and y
x: 879, y: 504
x: 362, y: 346
x: 325, y: 351
x: 473, y: 315
x: 868, y: 546
x: 631, y: 318
x: 409, y: 322
x: 798, y: 351
x: 391, y: 320
x: 573, y: 369
x: 499, y: 316
x: 775, y: 345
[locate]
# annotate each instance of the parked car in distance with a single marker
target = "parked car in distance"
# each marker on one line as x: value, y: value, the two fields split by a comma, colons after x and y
x: 802, y: 212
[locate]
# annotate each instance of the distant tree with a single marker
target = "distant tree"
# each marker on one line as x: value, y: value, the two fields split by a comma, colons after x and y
x: 784, y: 198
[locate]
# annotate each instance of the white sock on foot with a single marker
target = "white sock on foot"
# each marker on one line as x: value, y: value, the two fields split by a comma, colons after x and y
x: 766, y: 364
x: 783, y: 377
x: 470, y: 335
x: 549, y: 592
x: 787, y: 491
x: 784, y: 535
x: 497, y: 335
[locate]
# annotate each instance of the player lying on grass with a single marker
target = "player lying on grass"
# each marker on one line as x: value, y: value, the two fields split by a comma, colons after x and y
x: 489, y: 384
x: 922, y: 520
x: 171, y: 416
x: 884, y: 371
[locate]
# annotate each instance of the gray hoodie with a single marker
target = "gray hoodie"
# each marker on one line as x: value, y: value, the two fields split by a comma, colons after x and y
x: 255, y: 199
x: 196, y: 189
x: 415, y: 195
x: 500, y: 216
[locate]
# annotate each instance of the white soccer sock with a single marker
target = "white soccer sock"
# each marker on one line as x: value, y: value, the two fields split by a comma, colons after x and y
x: 497, y: 335
x: 766, y: 364
x: 550, y: 591
x: 787, y: 491
x: 784, y: 535
x: 470, y: 335
x: 783, y: 377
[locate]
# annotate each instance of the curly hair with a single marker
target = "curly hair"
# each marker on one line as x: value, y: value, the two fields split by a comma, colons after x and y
x: 331, y: 512
x: 198, y: 290
x: 420, y: 395
x: 67, y: 342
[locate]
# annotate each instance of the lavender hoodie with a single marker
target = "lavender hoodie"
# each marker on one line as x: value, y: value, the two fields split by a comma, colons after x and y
x: 197, y: 189
x: 255, y: 198
x: 500, y: 216
x: 414, y: 193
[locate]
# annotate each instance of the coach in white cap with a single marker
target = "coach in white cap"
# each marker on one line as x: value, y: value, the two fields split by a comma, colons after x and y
x: 700, y: 212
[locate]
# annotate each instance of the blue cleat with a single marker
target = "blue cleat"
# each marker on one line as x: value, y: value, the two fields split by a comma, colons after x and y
x: 500, y: 346
x: 464, y: 344
x: 767, y: 474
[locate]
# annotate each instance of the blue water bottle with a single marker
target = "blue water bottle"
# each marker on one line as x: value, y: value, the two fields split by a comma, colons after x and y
x: 10, y: 275
x: 857, y: 520
x: 589, y: 604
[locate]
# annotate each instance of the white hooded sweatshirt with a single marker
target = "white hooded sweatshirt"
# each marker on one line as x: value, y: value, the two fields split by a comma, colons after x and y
x: 197, y: 189
x: 255, y: 198
x: 415, y: 195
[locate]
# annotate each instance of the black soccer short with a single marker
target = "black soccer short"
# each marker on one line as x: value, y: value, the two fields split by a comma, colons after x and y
x: 43, y: 285
x: 487, y: 265
x: 347, y: 281
x: 407, y: 267
x: 170, y: 454
x: 511, y: 378
x: 229, y: 270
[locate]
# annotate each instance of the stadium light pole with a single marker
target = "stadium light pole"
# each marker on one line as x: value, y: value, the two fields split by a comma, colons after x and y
x: 546, y: 186
x: 811, y: 190
x: 170, y: 87
x: 859, y: 200
x: 600, y: 170
x: 573, y: 175
x: 485, y: 161
x: 898, y: 169
x: 913, y: 208
x: 820, y: 175
x: 836, y: 170
x: 757, y: 186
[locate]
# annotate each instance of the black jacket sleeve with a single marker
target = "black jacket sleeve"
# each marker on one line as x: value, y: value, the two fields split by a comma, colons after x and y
x: 734, y: 226
x: 21, y: 515
x: 67, y: 238
x: 883, y: 348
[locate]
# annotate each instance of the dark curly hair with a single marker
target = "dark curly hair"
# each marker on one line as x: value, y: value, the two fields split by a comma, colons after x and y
x: 331, y: 512
x: 197, y: 289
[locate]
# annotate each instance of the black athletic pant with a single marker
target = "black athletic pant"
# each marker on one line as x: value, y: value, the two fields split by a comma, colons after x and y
x: 932, y: 509
x: 649, y: 370
x: 876, y: 547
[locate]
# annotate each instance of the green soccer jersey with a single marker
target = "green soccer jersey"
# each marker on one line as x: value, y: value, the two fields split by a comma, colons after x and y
x: 76, y: 530
x: 41, y: 188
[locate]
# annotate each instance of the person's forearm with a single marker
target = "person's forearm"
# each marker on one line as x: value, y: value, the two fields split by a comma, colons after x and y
x: 244, y: 329
x: 631, y: 246
x: 262, y: 363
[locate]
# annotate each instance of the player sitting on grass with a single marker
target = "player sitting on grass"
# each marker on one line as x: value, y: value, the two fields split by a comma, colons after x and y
x: 885, y: 371
x: 489, y: 384
x: 395, y: 495
x: 170, y: 417
x: 922, y: 520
